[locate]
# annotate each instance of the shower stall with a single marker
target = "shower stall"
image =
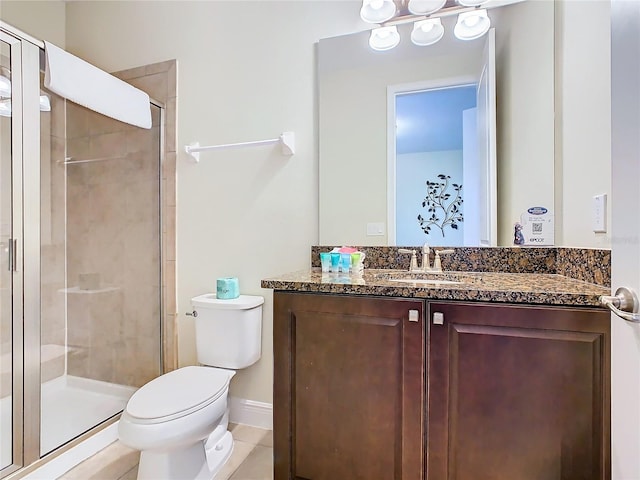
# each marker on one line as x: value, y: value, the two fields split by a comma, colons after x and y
x: 80, y: 261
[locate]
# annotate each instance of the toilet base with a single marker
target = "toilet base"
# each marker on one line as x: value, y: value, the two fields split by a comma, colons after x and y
x: 193, y: 462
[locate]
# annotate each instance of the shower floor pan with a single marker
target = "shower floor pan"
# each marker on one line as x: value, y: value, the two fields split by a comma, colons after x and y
x: 70, y: 406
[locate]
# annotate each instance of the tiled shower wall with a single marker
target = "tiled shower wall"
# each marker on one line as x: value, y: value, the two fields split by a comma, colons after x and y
x: 106, y: 211
x: 113, y: 248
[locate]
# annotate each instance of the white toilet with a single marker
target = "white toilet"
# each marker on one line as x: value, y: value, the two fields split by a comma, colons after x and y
x: 179, y: 420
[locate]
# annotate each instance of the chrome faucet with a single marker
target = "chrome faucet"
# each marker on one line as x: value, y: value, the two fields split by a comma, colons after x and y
x: 426, y: 267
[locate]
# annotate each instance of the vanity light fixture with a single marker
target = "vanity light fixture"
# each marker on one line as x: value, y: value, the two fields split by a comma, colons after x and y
x: 471, y: 3
x: 427, y: 32
x: 384, y: 38
x: 5, y: 108
x: 5, y: 105
x: 45, y: 103
x: 425, y: 7
x: 377, y: 11
x: 472, y: 25
x: 473, y: 22
x: 5, y: 87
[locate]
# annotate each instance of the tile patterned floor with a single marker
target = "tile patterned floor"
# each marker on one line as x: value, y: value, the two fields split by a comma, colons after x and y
x: 252, y: 459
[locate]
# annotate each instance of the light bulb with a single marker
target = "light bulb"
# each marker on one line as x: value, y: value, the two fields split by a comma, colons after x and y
x: 384, y: 38
x: 472, y: 25
x: 427, y: 32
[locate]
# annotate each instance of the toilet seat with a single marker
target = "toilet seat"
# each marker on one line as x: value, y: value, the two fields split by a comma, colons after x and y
x: 178, y: 393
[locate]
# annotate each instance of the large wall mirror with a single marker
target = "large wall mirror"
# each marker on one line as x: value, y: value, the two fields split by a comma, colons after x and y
x: 354, y: 84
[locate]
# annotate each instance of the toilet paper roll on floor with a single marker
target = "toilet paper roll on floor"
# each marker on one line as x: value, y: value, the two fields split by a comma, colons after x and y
x: 227, y: 288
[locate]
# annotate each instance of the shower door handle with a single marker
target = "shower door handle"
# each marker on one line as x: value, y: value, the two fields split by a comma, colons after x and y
x: 12, y: 248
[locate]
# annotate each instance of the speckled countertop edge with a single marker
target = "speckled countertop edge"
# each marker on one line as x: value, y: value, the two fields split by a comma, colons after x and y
x: 529, y: 288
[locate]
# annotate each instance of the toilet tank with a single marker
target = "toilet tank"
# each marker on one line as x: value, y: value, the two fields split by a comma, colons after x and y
x: 228, y: 332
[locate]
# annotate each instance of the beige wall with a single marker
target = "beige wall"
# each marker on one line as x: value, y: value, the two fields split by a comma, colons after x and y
x: 246, y: 71
x: 583, y: 118
x: 45, y: 20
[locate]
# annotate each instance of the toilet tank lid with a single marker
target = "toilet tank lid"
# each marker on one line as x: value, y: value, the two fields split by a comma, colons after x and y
x: 243, y: 302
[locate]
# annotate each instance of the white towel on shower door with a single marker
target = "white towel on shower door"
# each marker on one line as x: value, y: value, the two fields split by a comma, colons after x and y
x: 87, y: 85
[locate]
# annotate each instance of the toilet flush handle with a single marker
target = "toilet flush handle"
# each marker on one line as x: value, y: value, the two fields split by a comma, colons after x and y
x: 192, y: 314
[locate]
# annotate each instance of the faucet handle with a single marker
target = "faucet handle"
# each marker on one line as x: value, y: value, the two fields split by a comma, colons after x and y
x: 414, y: 260
x: 425, y: 248
x: 436, y: 262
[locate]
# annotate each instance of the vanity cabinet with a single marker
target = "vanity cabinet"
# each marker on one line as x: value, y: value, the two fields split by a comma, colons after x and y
x: 518, y: 392
x: 349, y: 387
x: 468, y: 391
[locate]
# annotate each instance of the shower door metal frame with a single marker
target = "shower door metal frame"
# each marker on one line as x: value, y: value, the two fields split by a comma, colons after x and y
x: 25, y: 182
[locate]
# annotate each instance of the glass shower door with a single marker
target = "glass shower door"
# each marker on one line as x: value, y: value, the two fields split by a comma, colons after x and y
x: 6, y: 330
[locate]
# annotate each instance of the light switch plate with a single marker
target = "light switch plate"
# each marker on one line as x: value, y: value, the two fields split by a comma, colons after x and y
x: 375, y: 229
x: 600, y: 213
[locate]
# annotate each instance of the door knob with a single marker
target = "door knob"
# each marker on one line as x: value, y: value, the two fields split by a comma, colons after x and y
x: 624, y: 304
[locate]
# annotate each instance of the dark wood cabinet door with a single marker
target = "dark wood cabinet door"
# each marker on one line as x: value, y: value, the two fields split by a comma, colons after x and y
x: 349, y: 388
x: 518, y: 392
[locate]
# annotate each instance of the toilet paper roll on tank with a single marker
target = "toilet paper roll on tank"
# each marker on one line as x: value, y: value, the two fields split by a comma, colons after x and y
x: 227, y: 288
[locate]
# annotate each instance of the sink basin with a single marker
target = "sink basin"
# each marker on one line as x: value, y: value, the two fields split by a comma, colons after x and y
x: 428, y: 278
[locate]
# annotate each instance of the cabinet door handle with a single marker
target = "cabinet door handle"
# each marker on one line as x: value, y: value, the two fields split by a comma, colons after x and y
x: 438, y: 318
x: 414, y: 316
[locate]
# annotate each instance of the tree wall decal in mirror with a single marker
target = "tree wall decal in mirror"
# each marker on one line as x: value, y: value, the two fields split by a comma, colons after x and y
x: 439, y: 202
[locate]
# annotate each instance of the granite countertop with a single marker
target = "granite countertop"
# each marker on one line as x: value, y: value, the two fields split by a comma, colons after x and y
x: 530, y: 288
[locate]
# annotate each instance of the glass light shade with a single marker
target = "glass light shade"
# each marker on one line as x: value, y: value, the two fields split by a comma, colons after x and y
x: 425, y: 7
x: 427, y: 32
x: 5, y: 108
x: 472, y: 25
x: 377, y: 11
x: 471, y: 3
x: 45, y: 104
x: 384, y: 38
x: 5, y: 86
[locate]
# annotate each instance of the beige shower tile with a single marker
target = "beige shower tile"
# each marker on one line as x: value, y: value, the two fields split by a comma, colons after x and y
x: 99, y: 124
x: 130, y: 73
x: 169, y: 274
x: 172, y: 80
x: 108, y: 145
x: 58, y: 115
x: 257, y: 466
x: 169, y: 343
x: 137, y: 360
x: 159, y: 67
x: 155, y: 85
x: 170, y: 126
x: 78, y: 362
x: 77, y: 121
x: 169, y: 175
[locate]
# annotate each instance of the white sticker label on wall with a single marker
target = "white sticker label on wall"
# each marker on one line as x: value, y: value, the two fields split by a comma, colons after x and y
x: 535, y: 228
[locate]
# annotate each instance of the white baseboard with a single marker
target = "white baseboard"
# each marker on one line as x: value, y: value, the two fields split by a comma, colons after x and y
x: 250, y: 412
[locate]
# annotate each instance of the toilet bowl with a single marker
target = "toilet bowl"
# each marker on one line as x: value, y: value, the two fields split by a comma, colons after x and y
x: 179, y: 420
